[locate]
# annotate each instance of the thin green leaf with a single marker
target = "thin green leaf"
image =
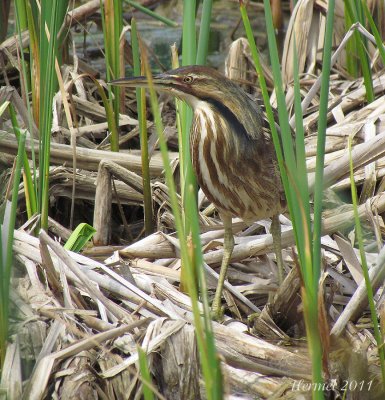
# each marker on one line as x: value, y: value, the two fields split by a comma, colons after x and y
x: 152, y: 14
x: 141, y: 104
x: 356, y: 14
x: 6, y: 260
x: 146, y: 376
x: 374, y: 30
x: 214, y: 387
x: 80, y: 237
x: 365, y: 271
x: 30, y: 188
x: 204, y: 32
x: 187, y: 176
x: 52, y: 17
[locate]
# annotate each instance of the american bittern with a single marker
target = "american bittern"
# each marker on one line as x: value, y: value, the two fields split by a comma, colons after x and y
x: 231, y: 150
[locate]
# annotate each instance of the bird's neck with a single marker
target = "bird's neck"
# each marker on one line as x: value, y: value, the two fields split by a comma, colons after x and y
x: 238, y: 114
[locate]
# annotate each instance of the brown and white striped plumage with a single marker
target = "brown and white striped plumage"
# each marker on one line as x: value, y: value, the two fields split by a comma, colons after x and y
x: 231, y: 147
x: 232, y: 152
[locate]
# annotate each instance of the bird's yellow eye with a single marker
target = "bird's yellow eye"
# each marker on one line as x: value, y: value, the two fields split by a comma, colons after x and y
x: 188, y: 79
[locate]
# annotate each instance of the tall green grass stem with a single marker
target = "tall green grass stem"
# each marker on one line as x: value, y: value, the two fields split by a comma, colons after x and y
x: 146, y: 376
x: 5, y: 271
x: 374, y: 30
x: 365, y: 271
x: 112, y: 23
x: 52, y: 17
x: 204, y: 32
x: 312, y: 324
x: 355, y: 13
x: 187, y: 176
x: 214, y: 387
x: 188, y: 58
x: 297, y: 193
x: 141, y: 104
x: 321, y: 140
x: 30, y: 193
x: 31, y: 181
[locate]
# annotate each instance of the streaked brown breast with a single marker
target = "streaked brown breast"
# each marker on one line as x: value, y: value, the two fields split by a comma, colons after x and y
x: 239, y: 175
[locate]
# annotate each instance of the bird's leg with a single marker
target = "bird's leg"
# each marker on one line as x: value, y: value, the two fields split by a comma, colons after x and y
x: 276, y: 233
x: 228, y: 247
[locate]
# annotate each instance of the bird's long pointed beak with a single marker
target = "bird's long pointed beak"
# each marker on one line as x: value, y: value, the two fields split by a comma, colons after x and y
x: 137, y: 81
x: 159, y: 81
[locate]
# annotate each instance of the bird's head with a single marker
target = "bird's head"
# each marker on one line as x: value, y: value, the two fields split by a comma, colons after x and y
x: 192, y: 84
x: 205, y: 88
